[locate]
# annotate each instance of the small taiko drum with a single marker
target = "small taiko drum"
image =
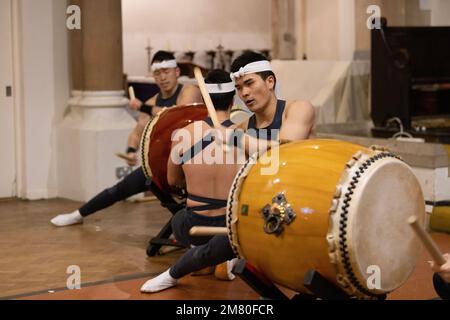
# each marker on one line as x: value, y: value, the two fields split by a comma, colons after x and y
x: 156, y: 140
x: 335, y: 207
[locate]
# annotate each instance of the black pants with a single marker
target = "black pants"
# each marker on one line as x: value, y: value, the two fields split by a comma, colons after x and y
x: 441, y: 286
x: 209, y: 251
x: 132, y: 184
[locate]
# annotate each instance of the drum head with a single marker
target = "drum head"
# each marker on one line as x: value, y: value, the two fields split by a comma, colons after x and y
x: 377, y: 248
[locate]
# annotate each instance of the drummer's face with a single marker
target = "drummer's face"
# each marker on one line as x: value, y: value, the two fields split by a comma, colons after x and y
x: 166, y: 78
x: 254, y: 91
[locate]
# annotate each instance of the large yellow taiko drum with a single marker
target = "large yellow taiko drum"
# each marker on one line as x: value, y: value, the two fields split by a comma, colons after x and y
x: 332, y: 206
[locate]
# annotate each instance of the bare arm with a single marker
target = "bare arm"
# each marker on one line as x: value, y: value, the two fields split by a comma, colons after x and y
x: 297, y: 125
x: 135, y: 136
x: 136, y: 104
x: 189, y: 94
x: 298, y: 122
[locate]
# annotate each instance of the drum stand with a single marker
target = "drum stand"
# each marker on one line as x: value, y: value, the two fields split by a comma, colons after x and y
x: 162, y: 238
x: 320, y: 287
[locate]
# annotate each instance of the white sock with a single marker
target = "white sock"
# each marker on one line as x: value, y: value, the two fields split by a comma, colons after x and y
x: 67, y: 219
x: 230, y: 266
x: 161, y: 282
x: 224, y: 270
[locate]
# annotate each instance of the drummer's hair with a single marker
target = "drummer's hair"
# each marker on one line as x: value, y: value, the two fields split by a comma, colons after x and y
x: 162, y: 55
x: 221, y: 101
x: 248, y: 57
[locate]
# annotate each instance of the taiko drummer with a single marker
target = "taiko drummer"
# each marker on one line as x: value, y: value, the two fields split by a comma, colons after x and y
x: 166, y: 74
x: 255, y: 83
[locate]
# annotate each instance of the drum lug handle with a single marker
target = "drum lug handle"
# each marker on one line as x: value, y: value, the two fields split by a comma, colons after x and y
x: 277, y: 215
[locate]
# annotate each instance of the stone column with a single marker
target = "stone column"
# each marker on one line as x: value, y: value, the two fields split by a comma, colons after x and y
x: 323, y: 30
x: 97, y: 123
x: 283, y: 27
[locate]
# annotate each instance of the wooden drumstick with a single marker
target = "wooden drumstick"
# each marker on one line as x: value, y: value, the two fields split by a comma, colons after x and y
x: 124, y: 156
x: 131, y: 93
x: 208, y: 231
x: 206, y: 97
x: 427, y: 241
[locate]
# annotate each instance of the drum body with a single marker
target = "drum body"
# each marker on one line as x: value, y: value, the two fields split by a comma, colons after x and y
x: 335, y: 207
x: 156, y: 140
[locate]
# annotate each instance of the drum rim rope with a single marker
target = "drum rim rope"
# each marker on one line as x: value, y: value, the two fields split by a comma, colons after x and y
x: 231, y: 204
x: 145, y: 145
x: 338, y: 215
x: 236, y: 187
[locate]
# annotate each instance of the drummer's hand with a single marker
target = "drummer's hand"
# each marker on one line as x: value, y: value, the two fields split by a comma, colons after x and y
x: 135, y: 104
x: 158, y: 110
x: 444, y: 270
x: 133, y: 159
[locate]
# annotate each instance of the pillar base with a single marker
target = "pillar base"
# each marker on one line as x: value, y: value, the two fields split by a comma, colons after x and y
x: 96, y: 127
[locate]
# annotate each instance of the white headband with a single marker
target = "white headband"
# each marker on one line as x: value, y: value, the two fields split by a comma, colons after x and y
x: 164, y: 65
x: 220, y: 87
x: 254, y: 67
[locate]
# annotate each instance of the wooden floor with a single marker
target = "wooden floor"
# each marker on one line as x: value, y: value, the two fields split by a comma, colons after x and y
x: 110, y: 250
x: 189, y: 288
x: 35, y: 255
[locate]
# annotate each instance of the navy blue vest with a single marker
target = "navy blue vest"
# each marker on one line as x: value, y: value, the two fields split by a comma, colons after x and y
x: 171, y: 101
x: 276, y: 123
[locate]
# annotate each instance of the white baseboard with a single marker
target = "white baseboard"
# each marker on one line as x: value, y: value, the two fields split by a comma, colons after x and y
x: 40, y: 194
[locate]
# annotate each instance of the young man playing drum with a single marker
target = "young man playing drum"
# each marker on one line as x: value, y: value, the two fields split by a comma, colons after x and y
x: 166, y: 73
x: 207, y: 184
x: 255, y: 83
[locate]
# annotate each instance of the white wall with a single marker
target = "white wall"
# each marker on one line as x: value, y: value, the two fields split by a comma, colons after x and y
x: 347, y: 33
x: 330, y: 29
x: 198, y: 25
x: 7, y: 143
x: 42, y: 98
x: 322, y: 30
x: 440, y: 12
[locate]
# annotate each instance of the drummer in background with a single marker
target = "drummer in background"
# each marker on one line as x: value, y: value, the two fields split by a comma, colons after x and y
x: 207, y: 184
x: 166, y: 73
x: 294, y: 120
x: 441, y: 277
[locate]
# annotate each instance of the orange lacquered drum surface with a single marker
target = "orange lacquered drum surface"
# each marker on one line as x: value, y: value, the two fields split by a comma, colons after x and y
x: 156, y: 140
x: 314, y: 177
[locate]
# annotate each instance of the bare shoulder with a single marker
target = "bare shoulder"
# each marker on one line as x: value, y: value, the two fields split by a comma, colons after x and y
x: 243, y: 125
x: 190, y: 88
x: 300, y: 110
x: 151, y: 101
x: 189, y: 94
